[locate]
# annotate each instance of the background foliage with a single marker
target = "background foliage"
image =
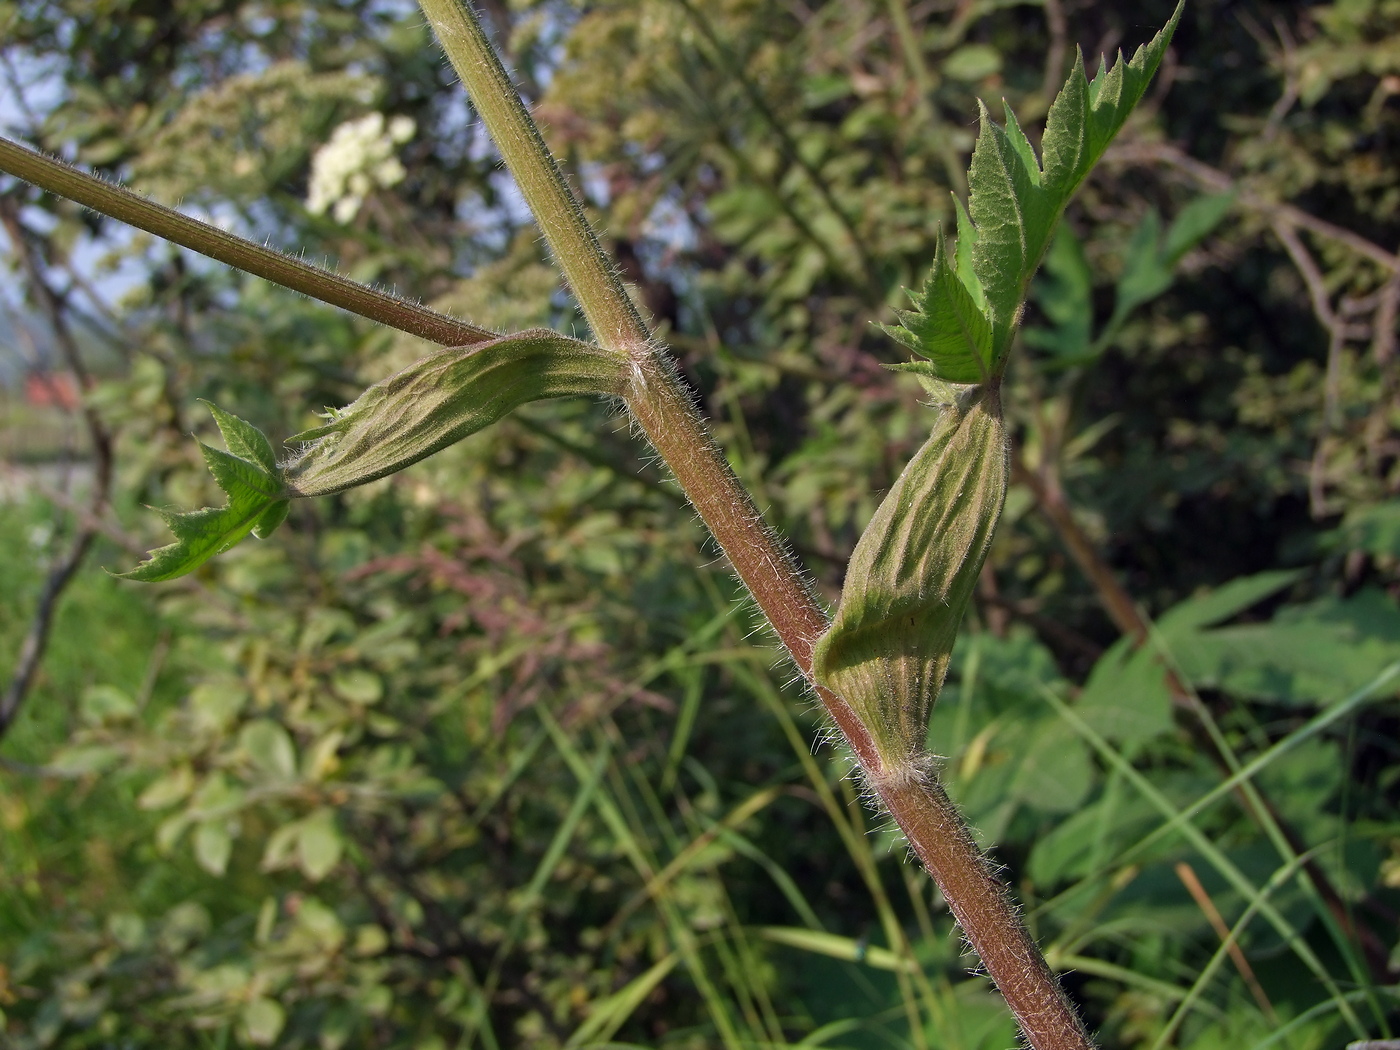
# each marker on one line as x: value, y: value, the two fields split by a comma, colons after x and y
x: 491, y: 753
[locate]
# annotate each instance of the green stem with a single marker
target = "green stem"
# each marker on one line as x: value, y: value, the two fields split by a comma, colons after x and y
x: 666, y: 413
x: 65, y: 181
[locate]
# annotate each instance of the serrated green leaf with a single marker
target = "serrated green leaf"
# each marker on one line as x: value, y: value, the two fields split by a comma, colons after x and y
x: 1015, y: 202
x: 267, y: 524
x: 946, y: 326
x: 200, y: 535
x: 1014, y: 216
x: 243, y: 439
x: 238, y: 476
x: 254, y: 493
x: 967, y: 240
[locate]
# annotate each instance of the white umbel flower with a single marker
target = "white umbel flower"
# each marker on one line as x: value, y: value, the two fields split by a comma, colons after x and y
x: 359, y: 157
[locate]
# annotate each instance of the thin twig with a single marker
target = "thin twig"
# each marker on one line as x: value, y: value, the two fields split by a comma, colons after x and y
x: 1336, y: 330
x: 866, y: 273
x: 36, y: 639
x: 1188, y: 878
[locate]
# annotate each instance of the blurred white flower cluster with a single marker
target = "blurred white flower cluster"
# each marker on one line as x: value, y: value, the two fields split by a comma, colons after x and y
x: 358, y: 158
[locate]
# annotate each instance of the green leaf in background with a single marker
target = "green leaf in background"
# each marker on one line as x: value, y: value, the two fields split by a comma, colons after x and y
x: 213, y: 845
x: 1065, y: 294
x: 1126, y: 699
x: 1374, y: 529
x: 1150, y: 262
x: 1054, y: 770
x: 319, y: 844
x: 262, y: 1021
x: 269, y: 747
x: 1314, y: 653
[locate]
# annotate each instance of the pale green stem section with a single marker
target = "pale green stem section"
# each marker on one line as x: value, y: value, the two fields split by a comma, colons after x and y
x: 614, y: 320
x: 667, y: 415
x: 106, y: 199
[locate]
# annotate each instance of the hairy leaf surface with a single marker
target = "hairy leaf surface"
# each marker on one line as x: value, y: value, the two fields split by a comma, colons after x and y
x: 1014, y: 204
x: 257, y: 499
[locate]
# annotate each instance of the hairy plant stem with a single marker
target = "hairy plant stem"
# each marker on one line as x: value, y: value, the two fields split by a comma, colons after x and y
x: 59, y: 178
x: 667, y: 415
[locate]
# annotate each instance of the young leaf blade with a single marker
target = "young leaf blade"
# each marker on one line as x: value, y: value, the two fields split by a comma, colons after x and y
x: 946, y: 326
x: 255, y: 494
x: 1015, y: 202
x: 199, y: 535
x: 1085, y: 117
x: 243, y: 439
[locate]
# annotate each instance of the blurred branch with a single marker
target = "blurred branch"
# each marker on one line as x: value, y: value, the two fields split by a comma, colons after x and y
x: 925, y: 112
x: 1044, y: 484
x: 1336, y: 328
x: 866, y: 272
x: 1147, y: 154
x: 1057, y: 27
x: 36, y: 640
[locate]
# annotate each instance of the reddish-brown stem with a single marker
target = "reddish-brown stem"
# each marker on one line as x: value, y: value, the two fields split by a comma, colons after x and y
x: 980, y: 903
x: 665, y: 413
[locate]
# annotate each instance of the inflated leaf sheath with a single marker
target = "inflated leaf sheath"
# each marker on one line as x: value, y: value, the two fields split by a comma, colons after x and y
x: 406, y: 417
x: 440, y: 400
x: 912, y: 574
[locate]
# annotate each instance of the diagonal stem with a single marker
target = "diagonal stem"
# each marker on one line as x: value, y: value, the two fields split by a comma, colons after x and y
x: 666, y: 413
x: 268, y: 263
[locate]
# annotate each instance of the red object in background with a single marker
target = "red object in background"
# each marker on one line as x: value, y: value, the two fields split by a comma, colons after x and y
x: 51, y: 390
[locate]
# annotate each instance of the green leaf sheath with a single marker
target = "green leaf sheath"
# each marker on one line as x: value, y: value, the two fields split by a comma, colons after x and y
x: 1014, y: 204
x: 395, y: 423
x: 912, y: 574
x: 442, y: 399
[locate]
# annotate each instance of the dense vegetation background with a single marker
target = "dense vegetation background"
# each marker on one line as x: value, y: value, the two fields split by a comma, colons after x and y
x: 492, y: 753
